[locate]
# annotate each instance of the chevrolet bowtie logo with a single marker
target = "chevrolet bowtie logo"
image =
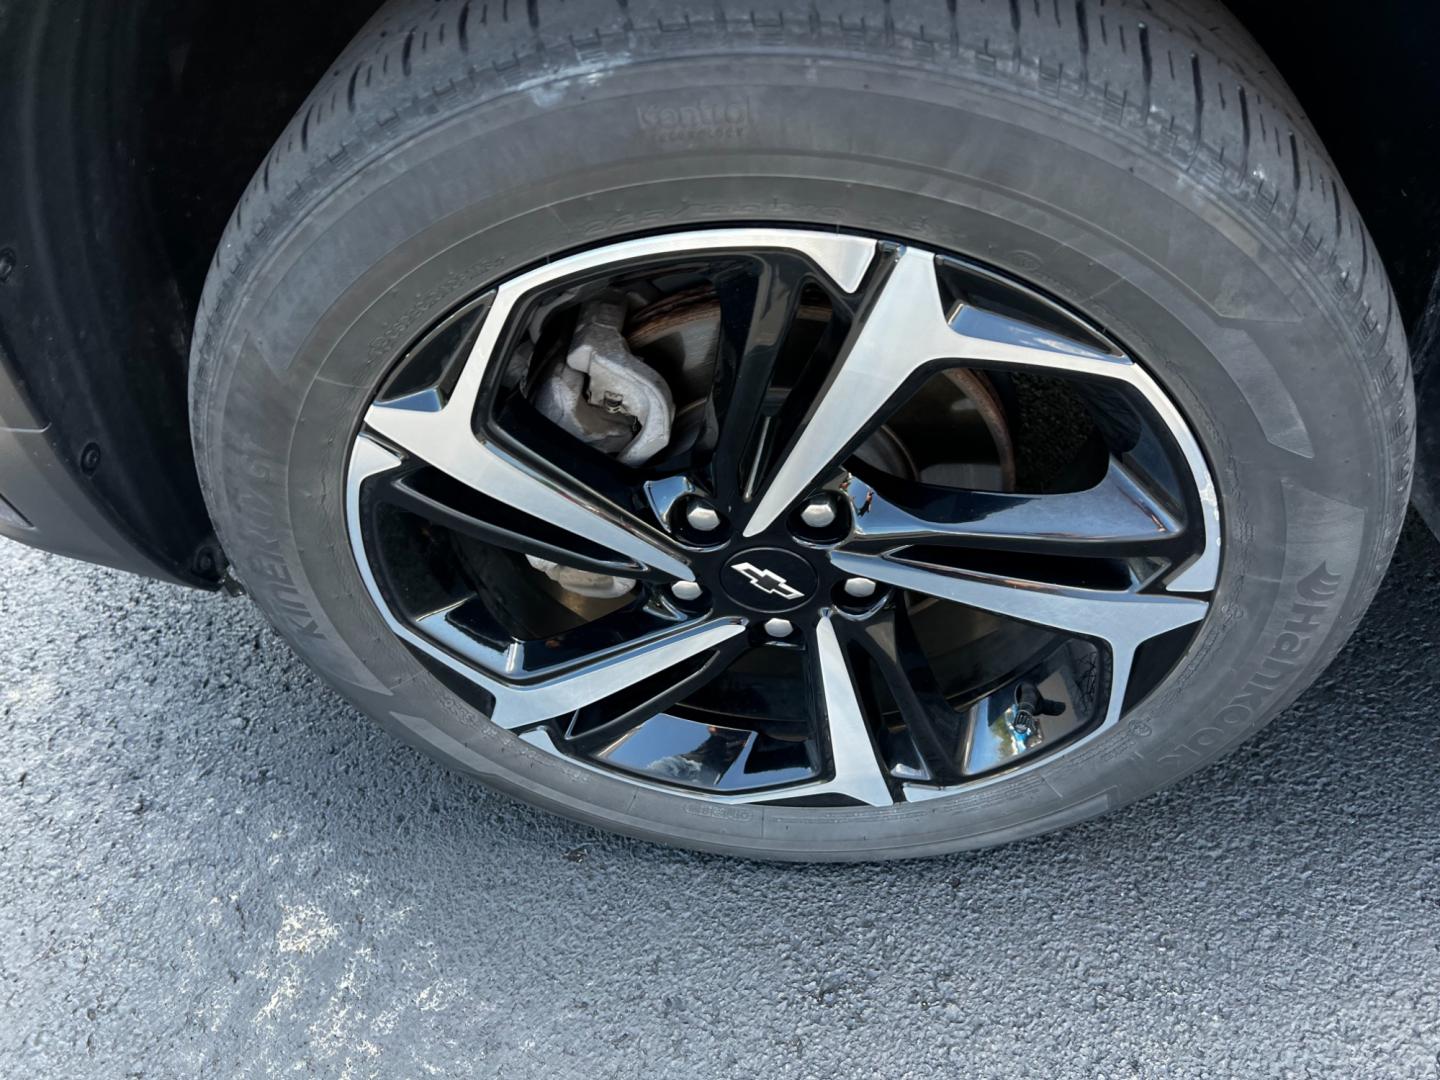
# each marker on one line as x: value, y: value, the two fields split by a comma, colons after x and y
x: 767, y: 581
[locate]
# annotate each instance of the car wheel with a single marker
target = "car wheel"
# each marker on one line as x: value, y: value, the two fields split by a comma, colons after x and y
x: 833, y: 431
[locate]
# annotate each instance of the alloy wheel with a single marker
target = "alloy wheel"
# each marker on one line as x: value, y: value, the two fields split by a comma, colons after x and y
x: 782, y: 515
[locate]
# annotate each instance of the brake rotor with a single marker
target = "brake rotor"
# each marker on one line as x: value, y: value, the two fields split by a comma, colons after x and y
x: 958, y: 412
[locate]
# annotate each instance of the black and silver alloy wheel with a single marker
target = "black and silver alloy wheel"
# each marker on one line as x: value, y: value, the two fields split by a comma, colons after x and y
x: 768, y: 519
x: 822, y: 430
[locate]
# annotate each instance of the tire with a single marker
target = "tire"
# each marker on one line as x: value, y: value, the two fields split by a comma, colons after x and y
x: 1141, y: 163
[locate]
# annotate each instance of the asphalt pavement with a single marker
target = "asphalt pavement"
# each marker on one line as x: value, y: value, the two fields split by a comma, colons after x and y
x: 210, y: 866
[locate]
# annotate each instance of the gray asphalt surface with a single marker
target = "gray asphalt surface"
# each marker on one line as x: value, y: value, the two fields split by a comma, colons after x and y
x: 210, y: 866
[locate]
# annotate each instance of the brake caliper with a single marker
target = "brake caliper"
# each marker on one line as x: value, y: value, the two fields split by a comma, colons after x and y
x: 606, y: 397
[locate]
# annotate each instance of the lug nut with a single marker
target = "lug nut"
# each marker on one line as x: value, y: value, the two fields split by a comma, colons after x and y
x: 779, y: 628
x: 702, y: 517
x: 686, y: 590
x: 818, y: 513
x: 859, y: 587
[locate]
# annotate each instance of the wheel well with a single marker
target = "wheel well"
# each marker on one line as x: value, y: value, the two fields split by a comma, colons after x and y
x: 127, y: 132
x: 241, y: 72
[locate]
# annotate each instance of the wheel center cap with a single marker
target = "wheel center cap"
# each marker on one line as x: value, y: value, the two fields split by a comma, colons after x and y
x: 769, y: 579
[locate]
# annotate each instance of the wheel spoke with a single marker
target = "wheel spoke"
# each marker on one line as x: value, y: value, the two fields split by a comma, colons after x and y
x: 936, y: 728
x: 608, y: 718
x: 573, y: 686
x: 1117, y: 516
x: 437, y: 498
x: 756, y: 313
x: 529, y: 659
x: 1122, y: 620
x: 858, y: 772
x: 441, y: 435
x: 903, y: 332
